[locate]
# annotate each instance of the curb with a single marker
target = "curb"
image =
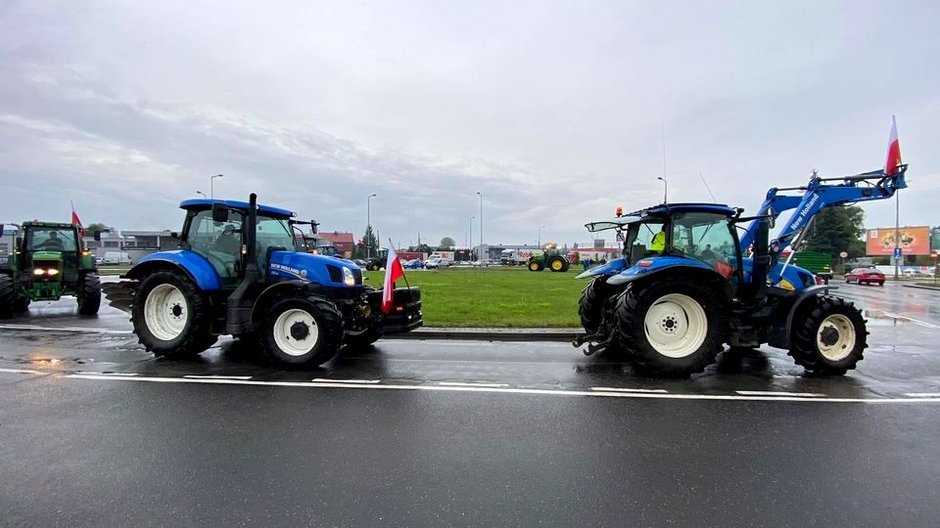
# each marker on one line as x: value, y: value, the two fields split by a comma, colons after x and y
x: 921, y: 287
x: 492, y: 334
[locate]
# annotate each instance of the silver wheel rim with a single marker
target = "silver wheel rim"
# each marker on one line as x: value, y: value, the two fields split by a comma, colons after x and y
x: 676, y: 325
x: 166, y: 312
x: 845, y: 342
x: 286, y: 341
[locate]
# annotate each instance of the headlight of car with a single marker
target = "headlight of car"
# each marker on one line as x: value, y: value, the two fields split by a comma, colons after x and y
x: 348, y: 278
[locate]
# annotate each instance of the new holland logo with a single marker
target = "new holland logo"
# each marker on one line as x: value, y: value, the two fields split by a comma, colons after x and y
x: 299, y: 273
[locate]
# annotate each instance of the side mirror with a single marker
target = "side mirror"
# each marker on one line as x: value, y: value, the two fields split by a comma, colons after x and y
x: 19, y: 243
x: 1, y: 230
x: 313, y: 227
x: 219, y: 213
x: 97, y: 236
x: 174, y: 234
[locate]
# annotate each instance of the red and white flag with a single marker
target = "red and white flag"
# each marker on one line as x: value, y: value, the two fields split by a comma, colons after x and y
x: 393, y: 272
x: 894, y: 150
x: 75, y: 220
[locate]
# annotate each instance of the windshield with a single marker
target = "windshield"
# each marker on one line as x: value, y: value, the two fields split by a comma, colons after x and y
x: 51, y: 239
x: 274, y: 232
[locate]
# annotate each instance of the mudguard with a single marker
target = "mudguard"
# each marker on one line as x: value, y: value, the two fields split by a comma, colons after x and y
x: 612, y: 267
x: 194, y: 264
x: 652, y: 265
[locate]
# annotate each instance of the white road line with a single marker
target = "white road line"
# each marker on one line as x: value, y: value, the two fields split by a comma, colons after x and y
x: 506, y: 390
x: 112, y: 373
x: 781, y: 393
x: 463, y: 384
x: 911, y: 319
x: 194, y: 376
x: 923, y: 394
x: 625, y: 389
x: 328, y: 380
x: 70, y: 329
x: 20, y: 371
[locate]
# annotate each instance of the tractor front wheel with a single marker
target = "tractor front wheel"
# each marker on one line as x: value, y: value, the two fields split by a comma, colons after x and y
x: 89, y: 294
x: 591, y: 307
x: 535, y: 265
x: 829, y: 337
x: 21, y: 304
x: 171, y: 315
x: 7, y: 297
x: 305, y: 331
x: 670, y: 327
x: 557, y: 264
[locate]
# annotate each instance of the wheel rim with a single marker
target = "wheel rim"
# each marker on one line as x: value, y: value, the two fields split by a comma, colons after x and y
x: 533, y: 266
x: 676, y: 325
x: 557, y: 265
x: 166, y: 312
x: 296, y: 332
x: 836, y: 337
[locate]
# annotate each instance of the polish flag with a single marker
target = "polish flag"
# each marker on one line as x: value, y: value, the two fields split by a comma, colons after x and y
x: 393, y: 272
x: 75, y: 220
x: 894, y: 150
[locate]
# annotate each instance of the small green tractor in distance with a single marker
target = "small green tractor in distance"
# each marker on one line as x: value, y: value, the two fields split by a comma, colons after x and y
x: 550, y: 258
x: 47, y: 263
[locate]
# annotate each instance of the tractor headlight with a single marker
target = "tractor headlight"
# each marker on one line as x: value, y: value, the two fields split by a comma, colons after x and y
x: 52, y: 272
x: 39, y: 271
x: 348, y: 278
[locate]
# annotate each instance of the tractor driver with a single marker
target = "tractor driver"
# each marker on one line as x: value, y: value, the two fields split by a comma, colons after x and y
x: 227, y: 241
x: 53, y: 242
x: 659, y: 241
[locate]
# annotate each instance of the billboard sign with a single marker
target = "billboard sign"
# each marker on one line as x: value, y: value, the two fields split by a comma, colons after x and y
x: 914, y: 241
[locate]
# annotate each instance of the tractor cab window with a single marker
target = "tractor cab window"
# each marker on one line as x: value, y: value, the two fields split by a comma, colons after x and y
x: 51, y: 239
x: 272, y: 233
x: 219, y: 242
x: 707, y: 237
x: 645, y: 239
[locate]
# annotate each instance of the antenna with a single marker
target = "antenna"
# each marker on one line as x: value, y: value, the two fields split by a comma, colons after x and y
x: 707, y: 188
x: 662, y: 123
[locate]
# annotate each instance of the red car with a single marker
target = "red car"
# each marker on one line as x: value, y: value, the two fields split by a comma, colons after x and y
x: 866, y: 275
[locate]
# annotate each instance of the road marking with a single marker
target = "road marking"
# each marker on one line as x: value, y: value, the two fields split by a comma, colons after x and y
x: 464, y: 384
x: 781, y: 393
x: 112, y: 373
x: 70, y: 329
x: 923, y: 394
x: 625, y: 389
x: 328, y: 380
x: 20, y: 371
x: 194, y: 376
x: 508, y: 390
x: 911, y: 319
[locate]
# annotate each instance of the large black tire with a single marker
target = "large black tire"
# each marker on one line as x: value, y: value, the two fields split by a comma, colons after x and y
x: 21, y: 304
x: 829, y: 336
x: 557, y: 264
x: 89, y: 294
x: 591, y: 306
x: 677, y: 345
x: 7, y: 296
x: 189, y: 310
x: 309, y: 331
x: 535, y: 265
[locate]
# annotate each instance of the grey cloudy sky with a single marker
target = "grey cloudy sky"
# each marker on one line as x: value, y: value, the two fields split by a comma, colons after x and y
x: 552, y: 109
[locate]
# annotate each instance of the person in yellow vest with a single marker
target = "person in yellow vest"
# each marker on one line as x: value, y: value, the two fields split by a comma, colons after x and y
x: 659, y: 241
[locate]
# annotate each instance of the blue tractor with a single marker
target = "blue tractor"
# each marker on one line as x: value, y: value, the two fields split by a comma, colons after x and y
x: 238, y: 272
x: 687, y: 283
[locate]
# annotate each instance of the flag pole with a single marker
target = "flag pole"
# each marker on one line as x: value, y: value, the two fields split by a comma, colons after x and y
x: 403, y: 274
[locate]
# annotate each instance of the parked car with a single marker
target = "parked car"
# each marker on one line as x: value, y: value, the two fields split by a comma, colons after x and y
x: 434, y: 263
x: 414, y: 264
x: 865, y: 276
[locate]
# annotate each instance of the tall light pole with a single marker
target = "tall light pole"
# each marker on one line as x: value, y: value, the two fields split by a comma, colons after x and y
x: 369, y: 225
x: 897, y: 233
x: 540, y: 235
x: 480, y: 257
x: 665, y: 189
x: 211, y: 187
x: 470, y: 236
x: 200, y: 193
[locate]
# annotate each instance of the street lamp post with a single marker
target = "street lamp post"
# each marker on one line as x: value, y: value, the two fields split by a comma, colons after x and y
x: 540, y: 235
x: 665, y: 189
x: 211, y: 186
x: 200, y: 193
x: 470, y: 236
x: 480, y: 194
x: 369, y: 225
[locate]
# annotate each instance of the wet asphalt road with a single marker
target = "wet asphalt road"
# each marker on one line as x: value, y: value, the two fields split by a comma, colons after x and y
x: 93, y: 431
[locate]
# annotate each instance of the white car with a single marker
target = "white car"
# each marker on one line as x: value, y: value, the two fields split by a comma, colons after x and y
x: 434, y: 263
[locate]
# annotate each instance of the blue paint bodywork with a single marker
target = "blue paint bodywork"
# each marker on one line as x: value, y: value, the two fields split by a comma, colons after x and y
x: 612, y: 267
x: 195, y: 264
x: 306, y: 267
x: 267, y: 210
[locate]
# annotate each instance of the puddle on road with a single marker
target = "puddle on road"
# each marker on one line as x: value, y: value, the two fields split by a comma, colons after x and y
x: 882, y: 318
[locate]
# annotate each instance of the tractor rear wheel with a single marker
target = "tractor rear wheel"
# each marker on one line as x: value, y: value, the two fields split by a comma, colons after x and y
x: 7, y: 297
x: 591, y: 307
x: 829, y: 337
x: 557, y: 264
x: 304, y: 331
x: 89, y: 294
x: 535, y: 265
x: 171, y: 315
x: 670, y: 327
x: 21, y: 304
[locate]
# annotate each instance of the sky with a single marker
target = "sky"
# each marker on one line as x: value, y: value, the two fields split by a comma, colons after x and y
x: 556, y: 112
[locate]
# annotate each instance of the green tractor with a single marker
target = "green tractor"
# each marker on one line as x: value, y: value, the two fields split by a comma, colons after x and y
x: 48, y: 262
x: 550, y: 258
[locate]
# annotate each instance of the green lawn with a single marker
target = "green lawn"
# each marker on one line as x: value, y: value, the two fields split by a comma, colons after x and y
x: 494, y: 297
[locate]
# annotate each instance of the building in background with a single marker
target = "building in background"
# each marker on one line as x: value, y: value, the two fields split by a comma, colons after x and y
x: 342, y: 242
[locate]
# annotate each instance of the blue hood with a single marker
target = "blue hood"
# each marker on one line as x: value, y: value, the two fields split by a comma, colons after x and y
x: 312, y: 268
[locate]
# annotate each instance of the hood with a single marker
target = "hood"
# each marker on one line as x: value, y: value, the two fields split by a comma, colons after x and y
x: 320, y: 269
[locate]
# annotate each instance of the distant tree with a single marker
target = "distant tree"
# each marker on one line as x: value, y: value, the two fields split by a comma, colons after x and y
x: 96, y: 227
x: 447, y: 243
x: 368, y: 244
x: 839, y: 229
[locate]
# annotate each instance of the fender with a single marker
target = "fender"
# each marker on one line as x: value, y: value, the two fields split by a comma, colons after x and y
x: 613, y: 267
x: 653, y: 265
x: 193, y: 264
x: 812, y: 291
